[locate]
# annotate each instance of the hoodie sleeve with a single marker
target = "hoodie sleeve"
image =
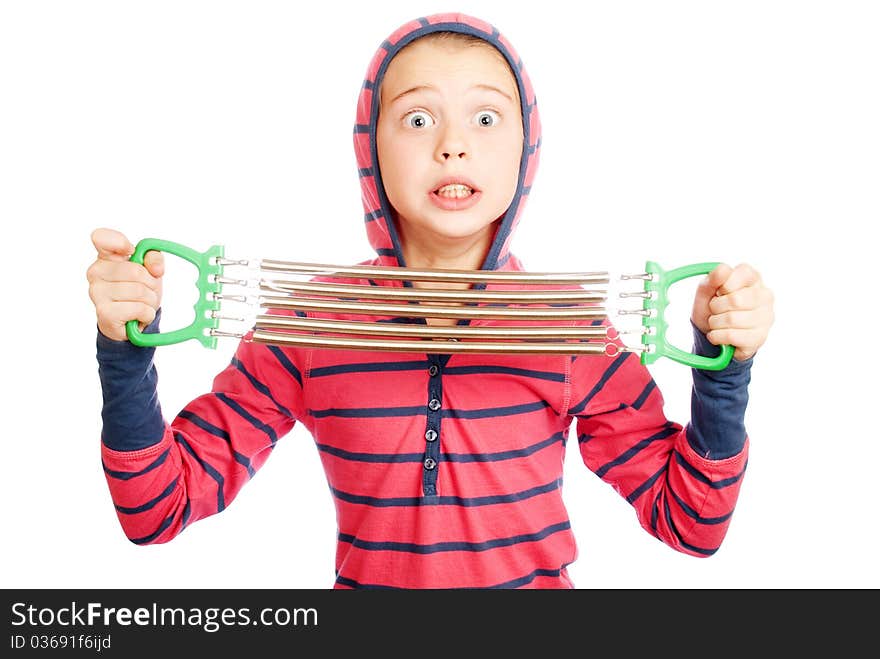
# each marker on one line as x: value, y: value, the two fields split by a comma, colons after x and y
x: 164, y: 476
x: 682, y: 481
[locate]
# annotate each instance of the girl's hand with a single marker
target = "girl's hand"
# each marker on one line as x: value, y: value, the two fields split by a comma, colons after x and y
x: 732, y: 306
x: 122, y: 290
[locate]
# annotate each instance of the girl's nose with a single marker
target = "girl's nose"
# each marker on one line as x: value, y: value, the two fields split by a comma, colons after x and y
x: 451, y: 145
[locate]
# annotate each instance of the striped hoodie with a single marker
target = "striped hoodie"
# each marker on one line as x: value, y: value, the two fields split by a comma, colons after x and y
x: 446, y: 470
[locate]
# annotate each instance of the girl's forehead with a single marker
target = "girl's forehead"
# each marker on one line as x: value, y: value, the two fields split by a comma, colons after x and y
x: 425, y: 63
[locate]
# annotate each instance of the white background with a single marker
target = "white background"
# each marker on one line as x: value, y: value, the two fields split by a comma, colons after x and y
x: 673, y: 131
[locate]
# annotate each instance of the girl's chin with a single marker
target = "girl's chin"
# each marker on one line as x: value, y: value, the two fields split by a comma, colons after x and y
x: 460, y: 227
x: 456, y: 225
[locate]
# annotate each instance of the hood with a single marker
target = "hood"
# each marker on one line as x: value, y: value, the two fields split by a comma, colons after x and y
x: 378, y: 217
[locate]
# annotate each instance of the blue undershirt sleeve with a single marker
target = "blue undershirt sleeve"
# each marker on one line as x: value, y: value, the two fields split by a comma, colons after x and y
x: 718, y: 404
x: 131, y: 412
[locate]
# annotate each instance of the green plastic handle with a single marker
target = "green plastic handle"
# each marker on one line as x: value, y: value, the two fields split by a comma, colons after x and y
x: 656, y: 323
x: 209, y: 270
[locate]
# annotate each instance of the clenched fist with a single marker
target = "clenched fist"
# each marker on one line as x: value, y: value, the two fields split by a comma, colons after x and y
x: 122, y: 290
x: 733, y: 307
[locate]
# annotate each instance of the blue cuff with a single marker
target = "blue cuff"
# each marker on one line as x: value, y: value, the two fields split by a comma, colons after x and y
x: 718, y: 404
x: 131, y: 412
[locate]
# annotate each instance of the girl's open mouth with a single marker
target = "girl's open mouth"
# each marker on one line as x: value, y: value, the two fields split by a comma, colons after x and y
x: 455, y: 196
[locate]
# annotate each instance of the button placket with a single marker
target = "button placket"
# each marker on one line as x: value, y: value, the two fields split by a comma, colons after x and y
x: 431, y: 460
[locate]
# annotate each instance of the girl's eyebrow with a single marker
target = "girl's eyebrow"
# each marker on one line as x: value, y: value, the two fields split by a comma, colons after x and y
x: 492, y: 88
x: 411, y: 90
x: 431, y: 88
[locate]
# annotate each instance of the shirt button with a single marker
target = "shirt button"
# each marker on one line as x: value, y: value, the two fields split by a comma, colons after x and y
x: 434, y: 404
x: 430, y: 463
x: 431, y: 435
x: 433, y: 370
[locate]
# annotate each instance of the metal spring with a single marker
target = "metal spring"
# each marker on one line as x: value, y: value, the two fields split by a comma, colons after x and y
x: 564, y: 306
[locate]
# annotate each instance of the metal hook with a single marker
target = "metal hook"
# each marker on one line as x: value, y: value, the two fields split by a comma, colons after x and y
x: 233, y: 335
x: 244, y: 299
x: 223, y: 261
x: 233, y: 282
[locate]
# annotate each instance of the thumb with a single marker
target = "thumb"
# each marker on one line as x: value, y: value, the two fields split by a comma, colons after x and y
x: 715, y: 280
x: 154, y: 262
x: 111, y: 245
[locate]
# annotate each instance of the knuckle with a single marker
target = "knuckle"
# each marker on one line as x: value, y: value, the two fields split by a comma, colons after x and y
x: 134, y: 272
x: 148, y: 295
x: 94, y: 294
x: 142, y: 291
x: 96, y: 270
x: 144, y: 276
x: 103, y: 309
x: 108, y: 270
x: 745, y: 298
x: 98, y: 291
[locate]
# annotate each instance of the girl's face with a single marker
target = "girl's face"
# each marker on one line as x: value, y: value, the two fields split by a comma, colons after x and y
x: 449, y: 140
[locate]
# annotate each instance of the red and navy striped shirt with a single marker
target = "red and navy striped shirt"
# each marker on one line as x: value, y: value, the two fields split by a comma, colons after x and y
x: 445, y: 470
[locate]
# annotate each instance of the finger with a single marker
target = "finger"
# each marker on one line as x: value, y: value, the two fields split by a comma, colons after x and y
x: 116, y: 314
x: 154, y: 262
x: 710, y: 283
x: 105, y: 292
x: 744, y: 298
x: 741, y: 276
x: 111, y: 270
x: 748, y: 318
x: 745, y: 341
x: 116, y: 271
x: 111, y: 244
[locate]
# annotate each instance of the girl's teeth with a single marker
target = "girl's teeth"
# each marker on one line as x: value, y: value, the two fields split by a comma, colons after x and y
x: 456, y: 191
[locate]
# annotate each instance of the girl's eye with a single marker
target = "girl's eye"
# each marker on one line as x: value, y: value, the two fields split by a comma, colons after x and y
x: 487, y: 118
x: 418, y: 119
